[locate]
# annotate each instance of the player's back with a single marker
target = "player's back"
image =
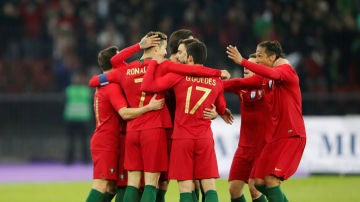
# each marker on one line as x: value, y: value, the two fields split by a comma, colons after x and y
x: 193, y: 95
x: 132, y: 78
x: 109, y: 124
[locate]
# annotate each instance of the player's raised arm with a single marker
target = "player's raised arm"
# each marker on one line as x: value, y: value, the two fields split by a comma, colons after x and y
x: 146, y: 42
x: 262, y: 70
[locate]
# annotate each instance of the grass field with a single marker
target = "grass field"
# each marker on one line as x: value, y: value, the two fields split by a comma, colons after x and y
x: 311, y: 189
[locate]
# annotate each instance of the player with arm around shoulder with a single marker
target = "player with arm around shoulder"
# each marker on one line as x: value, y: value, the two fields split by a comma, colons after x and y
x: 192, y: 155
x: 105, y: 144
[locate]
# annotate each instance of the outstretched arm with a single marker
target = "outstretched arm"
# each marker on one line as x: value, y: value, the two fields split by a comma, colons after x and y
x: 152, y: 84
x: 113, y: 76
x: 193, y: 70
x: 234, y: 85
x: 262, y: 70
x: 132, y: 113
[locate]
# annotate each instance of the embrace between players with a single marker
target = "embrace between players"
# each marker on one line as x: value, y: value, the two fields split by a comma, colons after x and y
x: 168, y: 105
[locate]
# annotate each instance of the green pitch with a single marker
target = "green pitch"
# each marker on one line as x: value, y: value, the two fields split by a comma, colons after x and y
x: 311, y: 189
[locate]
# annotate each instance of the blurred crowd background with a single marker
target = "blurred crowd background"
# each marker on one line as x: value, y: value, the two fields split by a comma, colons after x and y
x: 44, y: 42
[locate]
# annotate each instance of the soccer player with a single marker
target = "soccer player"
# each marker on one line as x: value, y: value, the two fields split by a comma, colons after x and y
x: 192, y: 154
x: 254, y: 116
x: 282, y: 153
x: 146, y: 136
x: 105, y: 144
x: 209, y: 113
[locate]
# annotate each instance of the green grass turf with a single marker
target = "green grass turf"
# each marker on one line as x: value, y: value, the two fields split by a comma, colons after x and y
x: 311, y: 189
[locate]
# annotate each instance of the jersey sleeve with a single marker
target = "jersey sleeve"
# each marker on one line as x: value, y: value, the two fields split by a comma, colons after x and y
x: 193, y: 70
x: 152, y: 84
x: 104, y: 79
x: 262, y: 70
x: 220, y: 102
x: 120, y: 58
x: 234, y: 85
x: 117, y: 98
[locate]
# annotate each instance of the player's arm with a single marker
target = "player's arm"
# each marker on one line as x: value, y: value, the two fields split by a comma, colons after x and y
x: 262, y: 70
x: 234, y: 85
x: 132, y: 113
x: 113, y: 76
x: 146, y: 42
x: 224, y: 112
x: 152, y: 84
x: 194, y: 70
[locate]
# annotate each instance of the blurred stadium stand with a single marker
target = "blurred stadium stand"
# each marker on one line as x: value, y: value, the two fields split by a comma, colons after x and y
x: 45, y: 42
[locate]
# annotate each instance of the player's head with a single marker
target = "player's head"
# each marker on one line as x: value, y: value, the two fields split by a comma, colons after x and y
x: 175, y: 38
x: 159, y: 50
x: 267, y: 52
x: 191, y: 51
x: 104, y: 57
x: 247, y: 72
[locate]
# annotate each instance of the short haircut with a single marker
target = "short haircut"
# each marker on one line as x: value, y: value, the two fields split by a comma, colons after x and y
x: 104, y: 57
x: 162, y: 36
x: 175, y: 38
x: 196, y: 49
x: 272, y: 48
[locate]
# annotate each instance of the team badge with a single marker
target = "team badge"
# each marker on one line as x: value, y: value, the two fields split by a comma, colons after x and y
x: 252, y: 94
x: 270, y: 83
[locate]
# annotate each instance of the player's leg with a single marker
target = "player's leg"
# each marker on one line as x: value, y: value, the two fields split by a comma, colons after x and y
x: 285, y: 158
x: 256, y: 195
x: 132, y: 189
x: 209, y: 187
x: 110, y: 191
x: 185, y: 188
x: 155, y: 160
x: 133, y: 163
x: 206, y: 172
x: 104, y: 174
x: 97, y: 192
x: 163, y: 186
x: 236, y: 190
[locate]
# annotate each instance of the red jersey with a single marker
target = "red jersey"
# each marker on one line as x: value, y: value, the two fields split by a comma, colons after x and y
x: 193, y: 95
x: 109, y: 125
x: 286, y: 112
x: 254, y: 108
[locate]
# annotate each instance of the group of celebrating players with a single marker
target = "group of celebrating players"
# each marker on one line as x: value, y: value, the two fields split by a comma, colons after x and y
x: 153, y: 121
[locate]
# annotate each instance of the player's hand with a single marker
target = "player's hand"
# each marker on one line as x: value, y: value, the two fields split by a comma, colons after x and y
x: 149, y: 41
x: 225, y: 75
x: 234, y: 54
x: 280, y: 61
x: 210, y: 113
x: 155, y: 104
x: 228, y: 117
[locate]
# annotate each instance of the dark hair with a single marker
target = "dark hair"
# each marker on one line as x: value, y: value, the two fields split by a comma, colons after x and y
x: 104, y: 57
x: 272, y: 48
x: 196, y: 49
x: 162, y: 36
x: 176, y: 37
